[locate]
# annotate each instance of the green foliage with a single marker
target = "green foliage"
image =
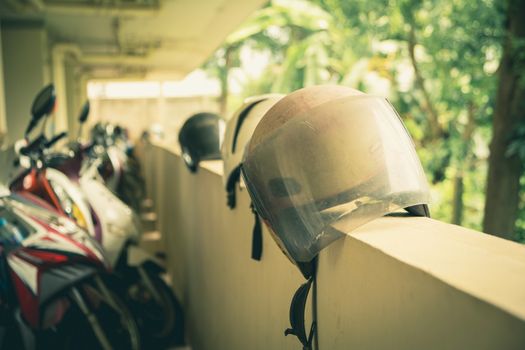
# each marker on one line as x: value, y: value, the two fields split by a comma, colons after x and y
x: 436, y: 60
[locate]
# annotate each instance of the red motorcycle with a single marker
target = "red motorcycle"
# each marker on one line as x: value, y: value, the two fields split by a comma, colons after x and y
x: 54, y: 281
x: 137, y: 275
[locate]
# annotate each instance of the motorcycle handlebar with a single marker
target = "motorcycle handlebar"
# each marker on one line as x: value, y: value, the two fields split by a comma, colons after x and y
x: 35, y: 145
x: 55, y: 139
x: 41, y: 143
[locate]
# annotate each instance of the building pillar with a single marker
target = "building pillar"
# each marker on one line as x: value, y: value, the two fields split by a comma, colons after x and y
x: 25, y: 69
x: 3, y: 126
x: 69, y: 80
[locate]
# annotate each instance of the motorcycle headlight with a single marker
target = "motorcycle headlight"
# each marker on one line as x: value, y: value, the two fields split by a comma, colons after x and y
x: 69, y: 206
x: 76, y: 214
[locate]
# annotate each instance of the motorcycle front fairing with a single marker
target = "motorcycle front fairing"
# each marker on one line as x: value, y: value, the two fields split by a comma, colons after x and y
x: 33, y: 181
x: 120, y: 225
x: 60, y: 227
x: 62, y: 184
x: 48, y: 263
x: 117, y: 225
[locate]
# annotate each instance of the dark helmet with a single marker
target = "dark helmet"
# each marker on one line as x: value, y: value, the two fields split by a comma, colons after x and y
x: 200, y: 139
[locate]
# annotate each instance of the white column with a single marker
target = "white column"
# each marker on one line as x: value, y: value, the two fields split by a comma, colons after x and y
x: 59, y: 79
x: 24, y: 51
x: 74, y: 102
x: 82, y: 82
x: 64, y: 61
x: 3, y: 126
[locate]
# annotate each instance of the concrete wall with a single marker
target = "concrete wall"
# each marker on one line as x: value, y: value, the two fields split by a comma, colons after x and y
x: 26, y: 71
x: 395, y: 283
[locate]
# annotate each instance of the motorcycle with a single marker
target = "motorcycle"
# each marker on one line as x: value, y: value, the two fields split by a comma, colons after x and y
x: 71, y: 185
x: 119, y: 168
x: 53, y: 283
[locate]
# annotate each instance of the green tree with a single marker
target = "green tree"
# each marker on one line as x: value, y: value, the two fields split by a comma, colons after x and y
x: 505, y: 163
x: 295, y: 32
x: 448, y: 45
x: 219, y: 65
x: 436, y: 58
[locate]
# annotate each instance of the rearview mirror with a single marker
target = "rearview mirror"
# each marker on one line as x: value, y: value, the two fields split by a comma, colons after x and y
x: 84, y: 113
x: 43, y: 103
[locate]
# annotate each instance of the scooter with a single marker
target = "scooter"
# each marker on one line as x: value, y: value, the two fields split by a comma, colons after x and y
x: 76, y: 191
x: 112, y: 159
x: 119, y: 170
x: 53, y: 278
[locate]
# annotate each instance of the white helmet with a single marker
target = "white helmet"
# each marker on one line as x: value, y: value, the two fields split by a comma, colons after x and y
x: 239, y: 130
x: 327, y: 159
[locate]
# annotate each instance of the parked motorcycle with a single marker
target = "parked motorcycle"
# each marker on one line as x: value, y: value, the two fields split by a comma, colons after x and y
x: 71, y: 184
x: 119, y: 168
x: 53, y: 277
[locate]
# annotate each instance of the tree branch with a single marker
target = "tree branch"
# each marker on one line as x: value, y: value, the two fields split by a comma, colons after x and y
x: 436, y: 130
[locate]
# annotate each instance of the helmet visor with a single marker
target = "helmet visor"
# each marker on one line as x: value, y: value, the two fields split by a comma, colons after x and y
x: 332, y: 169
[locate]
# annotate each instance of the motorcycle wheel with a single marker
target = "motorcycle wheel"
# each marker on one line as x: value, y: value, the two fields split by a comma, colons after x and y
x: 115, y: 319
x: 161, y: 321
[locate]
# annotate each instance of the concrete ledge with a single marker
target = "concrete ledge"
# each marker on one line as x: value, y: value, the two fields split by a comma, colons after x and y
x: 415, y: 283
x: 395, y: 283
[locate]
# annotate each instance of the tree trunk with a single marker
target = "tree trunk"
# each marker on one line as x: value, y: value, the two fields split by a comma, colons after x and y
x: 428, y: 107
x: 457, y: 202
x: 464, y: 160
x: 502, y: 195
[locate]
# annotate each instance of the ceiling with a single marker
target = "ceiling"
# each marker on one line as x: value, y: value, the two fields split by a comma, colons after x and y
x: 149, y: 37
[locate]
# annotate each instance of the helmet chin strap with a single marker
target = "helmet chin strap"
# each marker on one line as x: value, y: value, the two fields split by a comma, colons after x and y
x: 298, y: 306
x: 233, y: 179
x: 240, y: 121
x: 256, y: 236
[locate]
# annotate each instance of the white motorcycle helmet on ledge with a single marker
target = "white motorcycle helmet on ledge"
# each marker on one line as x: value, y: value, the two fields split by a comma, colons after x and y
x: 239, y: 130
x: 323, y: 161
